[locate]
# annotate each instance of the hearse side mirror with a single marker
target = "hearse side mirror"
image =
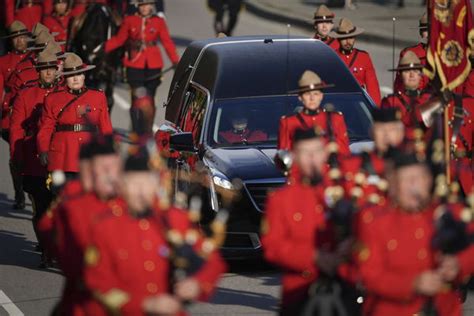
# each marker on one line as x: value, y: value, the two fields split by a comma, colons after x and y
x: 182, y: 142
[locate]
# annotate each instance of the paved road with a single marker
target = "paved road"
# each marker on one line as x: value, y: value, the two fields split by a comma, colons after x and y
x: 250, y: 289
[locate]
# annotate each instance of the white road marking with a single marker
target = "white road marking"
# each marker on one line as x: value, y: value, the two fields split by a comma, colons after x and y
x: 124, y: 104
x: 8, y: 305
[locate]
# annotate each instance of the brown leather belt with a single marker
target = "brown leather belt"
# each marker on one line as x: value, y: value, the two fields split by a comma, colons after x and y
x: 77, y: 128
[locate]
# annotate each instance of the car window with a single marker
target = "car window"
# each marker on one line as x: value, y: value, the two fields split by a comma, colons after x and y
x: 247, y: 121
x: 193, y: 111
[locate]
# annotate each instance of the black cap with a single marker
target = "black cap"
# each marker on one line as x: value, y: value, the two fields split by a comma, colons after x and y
x: 386, y: 115
x: 402, y: 158
x: 138, y: 159
x: 102, y: 145
x: 305, y: 134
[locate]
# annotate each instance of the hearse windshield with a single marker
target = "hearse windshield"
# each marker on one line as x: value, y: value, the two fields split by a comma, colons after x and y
x: 254, y: 121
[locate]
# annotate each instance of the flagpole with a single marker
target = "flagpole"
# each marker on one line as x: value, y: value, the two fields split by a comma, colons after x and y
x: 447, y: 145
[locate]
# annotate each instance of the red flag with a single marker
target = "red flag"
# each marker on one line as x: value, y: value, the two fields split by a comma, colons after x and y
x: 451, y: 41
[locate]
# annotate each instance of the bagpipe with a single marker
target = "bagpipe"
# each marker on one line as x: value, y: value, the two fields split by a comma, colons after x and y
x: 188, y: 249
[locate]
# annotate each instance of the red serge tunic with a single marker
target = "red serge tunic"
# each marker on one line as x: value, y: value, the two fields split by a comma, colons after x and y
x: 88, y: 107
x: 145, y: 33
x: 135, y: 263
x: 24, y: 127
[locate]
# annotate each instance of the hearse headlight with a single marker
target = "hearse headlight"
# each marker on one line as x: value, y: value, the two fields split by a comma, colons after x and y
x: 223, y: 183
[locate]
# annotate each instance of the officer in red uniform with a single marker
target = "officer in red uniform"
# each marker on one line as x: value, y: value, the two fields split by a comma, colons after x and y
x: 23, y: 130
x: 419, y: 50
x: 140, y: 32
x: 240, y: 133
x: 29, y: 13
x: 69, y: 119
x: 408, y: 99
x: 130, y: 273
x: 19, y: 35
x: 58, y: 21
x: 311, y: 95
x: 77, y: 215
x: 358, y: 61
x: 365, y: 172
x: 294, y: 215
x: 323, y: 24
x: 397, y: 249
x: 25, y: 71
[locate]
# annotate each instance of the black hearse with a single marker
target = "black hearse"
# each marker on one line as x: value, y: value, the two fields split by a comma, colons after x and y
x: 220, y: 79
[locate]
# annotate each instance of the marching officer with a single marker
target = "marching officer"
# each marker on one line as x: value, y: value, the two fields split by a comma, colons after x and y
x: 293, y: 219
x: 419, y: 50
x: 24, y: 74
x: 130, y: 273
x: 78, y: 214
x: 358, y: 61
x: 140, y: 33
x: 310, y: 93
x: 412, y: 95
x: 23, y: 131
x: 25, y: 71
x: 29, y: 13
x: 323, y: 24
x: 69, y: 119
x: 58, y: 21
x: 19, y: 36
x: 398, y: 249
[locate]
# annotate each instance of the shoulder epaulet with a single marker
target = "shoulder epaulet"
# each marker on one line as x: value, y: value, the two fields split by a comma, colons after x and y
x: 95, y: 89
x: 29, y: 84
x: 362, y: 51
x: 23, y: 69
x: 55, y: 92
x: 333, y: 111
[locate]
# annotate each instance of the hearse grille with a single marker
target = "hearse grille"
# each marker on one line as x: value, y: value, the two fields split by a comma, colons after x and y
x: 258, y: 192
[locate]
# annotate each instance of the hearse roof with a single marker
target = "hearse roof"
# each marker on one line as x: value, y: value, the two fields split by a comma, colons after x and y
x: 264, y: 65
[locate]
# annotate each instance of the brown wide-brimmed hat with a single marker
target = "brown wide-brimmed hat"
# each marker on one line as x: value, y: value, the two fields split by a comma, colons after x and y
x: 323, y: 14
x: 74, y: 65
x: 17, y: 28
x: 56, y: 49
x: 46, y: 59
x: 310, y: 81
x: 139, y: 2
x: 422, y: 23
x: 346, y: 29
x: 39, y: 28
x: 409, y: 61
x: 41, y: 41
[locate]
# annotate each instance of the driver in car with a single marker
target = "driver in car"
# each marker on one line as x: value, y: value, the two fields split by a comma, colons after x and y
x: 240, y: 133
x: 310, y: 94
